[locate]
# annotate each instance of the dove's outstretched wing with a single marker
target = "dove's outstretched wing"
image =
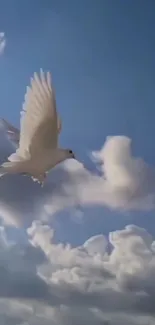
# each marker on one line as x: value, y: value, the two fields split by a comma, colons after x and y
x: 13, y: 133
x: 39, y: 122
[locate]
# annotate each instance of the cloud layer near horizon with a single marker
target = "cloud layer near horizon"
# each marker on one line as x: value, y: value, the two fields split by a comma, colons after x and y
x: 104, y: 281
x: 125, y: 183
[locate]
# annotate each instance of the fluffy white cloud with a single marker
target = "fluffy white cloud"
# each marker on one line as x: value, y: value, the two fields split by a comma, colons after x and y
x: 124, y: 182
x: 2, y: 42
x: 104, y: 281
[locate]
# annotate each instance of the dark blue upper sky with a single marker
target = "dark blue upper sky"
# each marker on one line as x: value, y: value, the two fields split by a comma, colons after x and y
x: 102, y: 57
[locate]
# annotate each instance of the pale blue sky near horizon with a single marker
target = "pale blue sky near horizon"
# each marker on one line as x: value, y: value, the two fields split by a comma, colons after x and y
x: 101, y: 55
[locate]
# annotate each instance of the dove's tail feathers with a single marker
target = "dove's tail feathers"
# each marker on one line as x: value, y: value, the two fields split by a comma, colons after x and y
x: 9, y: 168
x: 5, y: 169
x: 2, y: 171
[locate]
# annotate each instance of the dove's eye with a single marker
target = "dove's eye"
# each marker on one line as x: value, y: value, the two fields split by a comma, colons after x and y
x: 70, y: 151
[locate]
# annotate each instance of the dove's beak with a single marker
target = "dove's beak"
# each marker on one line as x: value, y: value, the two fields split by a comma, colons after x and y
x: 76, y: 159
x: 73, y: 157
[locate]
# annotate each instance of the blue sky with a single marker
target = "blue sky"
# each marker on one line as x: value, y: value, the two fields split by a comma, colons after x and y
x: 101, y: 56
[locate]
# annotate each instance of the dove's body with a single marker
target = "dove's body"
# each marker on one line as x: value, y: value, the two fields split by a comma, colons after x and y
x: 35, y: 167
x: 50, y: 160
x: 38, y: 150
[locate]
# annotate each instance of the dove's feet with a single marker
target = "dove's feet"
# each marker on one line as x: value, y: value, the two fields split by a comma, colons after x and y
x: 40, y: 179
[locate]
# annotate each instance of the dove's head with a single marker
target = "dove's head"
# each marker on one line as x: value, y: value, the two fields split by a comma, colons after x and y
x: 64, y: 154
x: 69, y: 153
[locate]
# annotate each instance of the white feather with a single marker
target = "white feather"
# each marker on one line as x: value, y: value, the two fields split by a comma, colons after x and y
x: 39, y: 121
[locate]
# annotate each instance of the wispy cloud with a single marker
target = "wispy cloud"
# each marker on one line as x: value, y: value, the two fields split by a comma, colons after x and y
x: 2, y: 42
x: 43, y: 283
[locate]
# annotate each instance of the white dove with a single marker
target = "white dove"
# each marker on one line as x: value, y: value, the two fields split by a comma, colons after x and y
x: 38, y: 150
x: 13, y: 135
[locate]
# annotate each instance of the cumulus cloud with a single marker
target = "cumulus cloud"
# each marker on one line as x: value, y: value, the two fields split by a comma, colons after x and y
x: 2, y: 42
x: 124, y: 182
x: 46, y: 283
